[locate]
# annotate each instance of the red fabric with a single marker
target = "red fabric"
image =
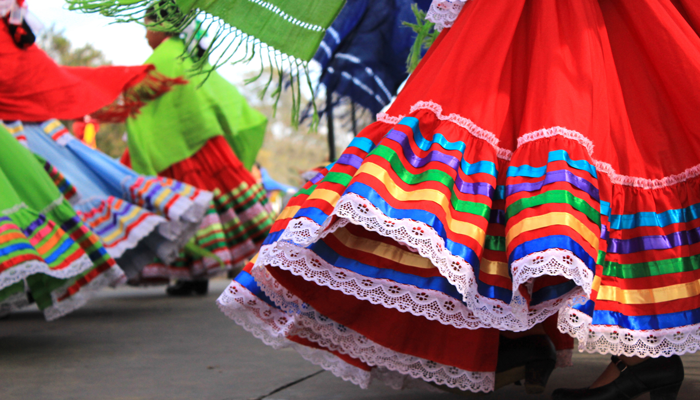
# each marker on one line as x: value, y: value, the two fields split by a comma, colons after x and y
x: 471, y: 350
x: 618, y: 62
x: 34, y: 88
x: 126, y: 158
x: 214, y: 166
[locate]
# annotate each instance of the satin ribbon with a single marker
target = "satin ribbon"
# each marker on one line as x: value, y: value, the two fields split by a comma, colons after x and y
x: 649, y: 296
x: 439, y: 198
x: 654, y: 242
x: 652, y: 268
x: 474, y: 188
x: 553, y: 156
x: 438, y: 283
x: 550, y: 219
x: 483, y: 167
x: 554, y: 197
x: 648, y: 322
x: 552, y: 242
x: 554, y: 177
x: 383, y: 250
x: 421, y: 215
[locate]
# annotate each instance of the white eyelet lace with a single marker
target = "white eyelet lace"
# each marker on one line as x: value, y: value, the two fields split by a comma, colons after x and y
x: 444, y: 12
x: 619, y: 341
x: 314, y: 327
x: 476, y: 311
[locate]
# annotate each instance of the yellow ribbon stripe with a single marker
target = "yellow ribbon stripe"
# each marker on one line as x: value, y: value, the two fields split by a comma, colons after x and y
x: 551, y: 219
x: 128, y: 219
x: 494, y: 268
x: 326, y: 195
x: 435, y: 196
x: 288, y: 212
x: 52, y: 125
x: 383, y: 250
x: 649, y: 296
x: 14, y: 129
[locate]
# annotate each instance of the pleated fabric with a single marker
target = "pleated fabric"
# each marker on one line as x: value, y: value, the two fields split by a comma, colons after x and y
x: 542, y: 162
x: 45, y: 248
x: 236, y: 223
x: 139, y: 219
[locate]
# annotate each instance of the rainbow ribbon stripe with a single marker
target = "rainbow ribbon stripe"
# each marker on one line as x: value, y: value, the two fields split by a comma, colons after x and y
x: 642, y: 248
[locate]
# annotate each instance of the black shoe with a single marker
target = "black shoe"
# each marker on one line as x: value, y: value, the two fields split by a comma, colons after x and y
x: 661, y: 377
x: 200, y: 287
x: 180, y: 288
x: 530, y: 359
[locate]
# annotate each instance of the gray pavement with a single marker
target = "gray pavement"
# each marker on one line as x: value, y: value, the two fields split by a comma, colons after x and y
x: 134, y: 343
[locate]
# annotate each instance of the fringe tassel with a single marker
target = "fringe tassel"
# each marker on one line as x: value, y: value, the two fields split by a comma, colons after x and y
x: 226, y: 40
x: 425, y: 36
x: 152, y: 86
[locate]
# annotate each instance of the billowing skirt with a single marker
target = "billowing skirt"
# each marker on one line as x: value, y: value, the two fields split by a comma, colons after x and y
x: 139, y: 219
x: 542, y: 162
x: 237, y: 223
x: 47, y: 253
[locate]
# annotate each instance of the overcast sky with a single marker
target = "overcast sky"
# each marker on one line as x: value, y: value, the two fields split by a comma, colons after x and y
x: 123, y: 44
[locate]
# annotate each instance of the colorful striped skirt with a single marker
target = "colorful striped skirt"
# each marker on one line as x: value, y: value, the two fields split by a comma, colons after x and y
x: 234, y: 226
x: 139, y: 219
x: 541, y: 163
x: 47, y: 253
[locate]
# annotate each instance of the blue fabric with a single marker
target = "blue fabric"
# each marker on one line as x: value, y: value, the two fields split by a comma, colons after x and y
x: 271, y: 185
x: 363, y: 55
x: 92, y: 173
x: 85, y: 180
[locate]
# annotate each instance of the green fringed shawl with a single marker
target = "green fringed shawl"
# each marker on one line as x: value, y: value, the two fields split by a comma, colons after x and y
x: 284, y: 34
x: 175, y: 126
x: 294, y: 27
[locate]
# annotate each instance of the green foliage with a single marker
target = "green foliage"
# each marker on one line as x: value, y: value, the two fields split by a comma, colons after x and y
x: 425, y: 36
x: 58, y: 47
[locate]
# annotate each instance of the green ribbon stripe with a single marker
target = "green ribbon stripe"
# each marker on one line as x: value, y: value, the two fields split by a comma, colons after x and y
x: 558, y: 197
x: 649, y: 269
x: 437, y: 176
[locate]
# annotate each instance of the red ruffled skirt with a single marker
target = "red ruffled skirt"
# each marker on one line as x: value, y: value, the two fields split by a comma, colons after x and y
x: 542, y: 162
x: 237, y: 222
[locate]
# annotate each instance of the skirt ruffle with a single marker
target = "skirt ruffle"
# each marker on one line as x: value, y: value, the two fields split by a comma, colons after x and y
x: 50, y: 253
x: 528, y: 169
x: 233, y: 227
x: 139, y: 219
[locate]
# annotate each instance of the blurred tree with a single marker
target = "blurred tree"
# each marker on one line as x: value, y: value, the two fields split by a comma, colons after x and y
x: 60, y: 49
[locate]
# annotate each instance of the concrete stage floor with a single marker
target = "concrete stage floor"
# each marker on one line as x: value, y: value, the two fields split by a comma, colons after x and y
x: 133, y: 343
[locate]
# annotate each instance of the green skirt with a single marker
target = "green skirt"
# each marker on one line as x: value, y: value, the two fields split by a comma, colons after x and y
x: 47, y: 254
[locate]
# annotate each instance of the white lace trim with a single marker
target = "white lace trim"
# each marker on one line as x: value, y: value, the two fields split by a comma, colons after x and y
x: 329, y: 334
x: 18, y: 272
x: 13, y: 209
x: 553, y: 262
x: 111, y: 277
x: 444, y: 12
x: 605, y: 339
x: 432, y: 305
x: 53, y: 205
x: 272, y: 326
x: 480, y: 312
x: 601, y: 166
x: 399, y: 381
x: 456, y: 119
x: 135, y: 236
